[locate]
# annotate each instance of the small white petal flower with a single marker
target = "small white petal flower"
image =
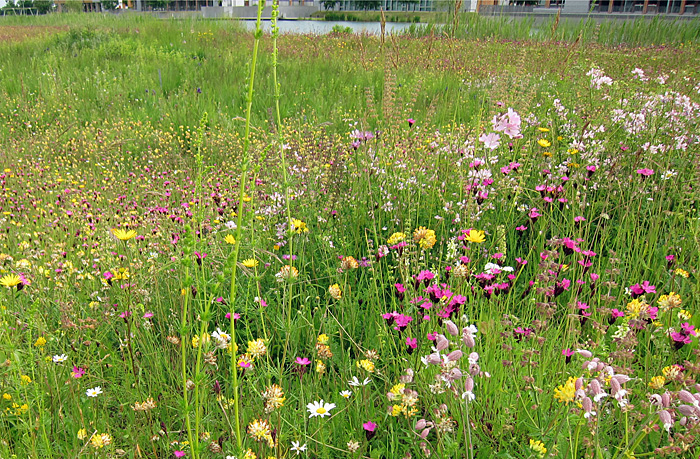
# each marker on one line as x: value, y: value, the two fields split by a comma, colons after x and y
x: 320, y: 408
x: 94, y: 392
x: 60, y: 358
x: 296, y: 447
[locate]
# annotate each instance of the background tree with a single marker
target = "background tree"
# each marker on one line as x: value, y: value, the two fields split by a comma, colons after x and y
x: 329, y: 4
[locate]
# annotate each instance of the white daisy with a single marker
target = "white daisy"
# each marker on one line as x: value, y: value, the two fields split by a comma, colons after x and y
x: 345, y: 394
x: 60, y: 358
x: 321, y: 409
x: 356, y: 382
x: 94, y: 392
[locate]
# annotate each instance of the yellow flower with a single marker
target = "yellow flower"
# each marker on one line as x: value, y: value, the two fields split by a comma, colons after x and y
x: 681, y: 272
x: 250, y: 263
x: 287, y: 272
x: 230, y: 239
x: 538, y: 447
x: 123, y: 235
x: 7, y: 396
x: 40, y: 342
x: 299, y: 226
x: 684, y: 314
x: 320, y: 367
x: 82, y: 434
x: 657, y: 382
x: 671, y: 371
x: 10, y: 280
x: 367, y: 365
x: 566, y: 392
x: 101, y: 440
x: 544, y: 143
x: 257, y: 348
x: 396, y: 238
x: 636, y: 307
x: 24, y: 379
x: 349, y: 263
x: 424, y: 237
x: 335, y: 292
x: 322, y: 339
x: 672, y: 300
x: 475, y: 236
x: 543, y: 129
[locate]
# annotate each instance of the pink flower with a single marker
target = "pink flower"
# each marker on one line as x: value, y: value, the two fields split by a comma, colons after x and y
x: 645, y: 172
x: 179, y: 453
x: 77, y: 372
x: 491, y: 141
x: 302, y: 361
x: 148, y: 315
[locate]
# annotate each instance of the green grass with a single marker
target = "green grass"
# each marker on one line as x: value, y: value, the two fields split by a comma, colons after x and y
x: 371, y: 194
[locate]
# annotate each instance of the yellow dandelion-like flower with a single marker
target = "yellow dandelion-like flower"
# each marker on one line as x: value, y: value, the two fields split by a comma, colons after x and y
x: 299, y: 226
x: 335, y: 292
x: 475, y: 236
x: 566, y: 392
x: 230, y: 239
x: 123, y: 235
x: 544, y: 143
x: 250, y: 263
x: 10, y: 280
x: 396, y: 238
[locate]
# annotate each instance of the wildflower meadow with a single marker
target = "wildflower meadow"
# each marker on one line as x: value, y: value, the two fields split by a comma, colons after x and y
x: 224, y: 244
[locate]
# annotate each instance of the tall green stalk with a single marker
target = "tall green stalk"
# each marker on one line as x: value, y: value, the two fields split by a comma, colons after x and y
x: 239, y: 221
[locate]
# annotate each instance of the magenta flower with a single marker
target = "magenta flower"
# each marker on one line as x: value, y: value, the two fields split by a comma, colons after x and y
x: 641, y: 289
x: 412, y: 344
x: 567, y: 353
x: 302, y: 361
x: 148, y: 315
x: 645, y: 172
x: 77, y: 372
x: 125, y: 315
x: 236, y: 316
x: 369, y: 429
x: 179, y: 453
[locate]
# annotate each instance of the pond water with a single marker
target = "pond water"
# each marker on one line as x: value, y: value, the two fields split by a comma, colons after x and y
x: 324, y: 27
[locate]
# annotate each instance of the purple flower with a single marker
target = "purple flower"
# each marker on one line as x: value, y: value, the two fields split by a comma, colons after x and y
x: 302, y: 361
x: 369, y: 429
x: 567, y: 353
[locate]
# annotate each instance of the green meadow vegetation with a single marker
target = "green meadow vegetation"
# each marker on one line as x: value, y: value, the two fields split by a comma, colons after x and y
x: 468, y: 241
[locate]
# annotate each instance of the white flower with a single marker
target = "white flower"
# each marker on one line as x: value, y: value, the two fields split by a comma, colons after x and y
x: 230, y: 224
x: 356, y: 382
x: 222, y: 338
x: 297, y: 448
x: 60, y: 358
x: 320, y: 408
x: 94, y: 392
x: 468, y: 396
x: 346, y: 394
